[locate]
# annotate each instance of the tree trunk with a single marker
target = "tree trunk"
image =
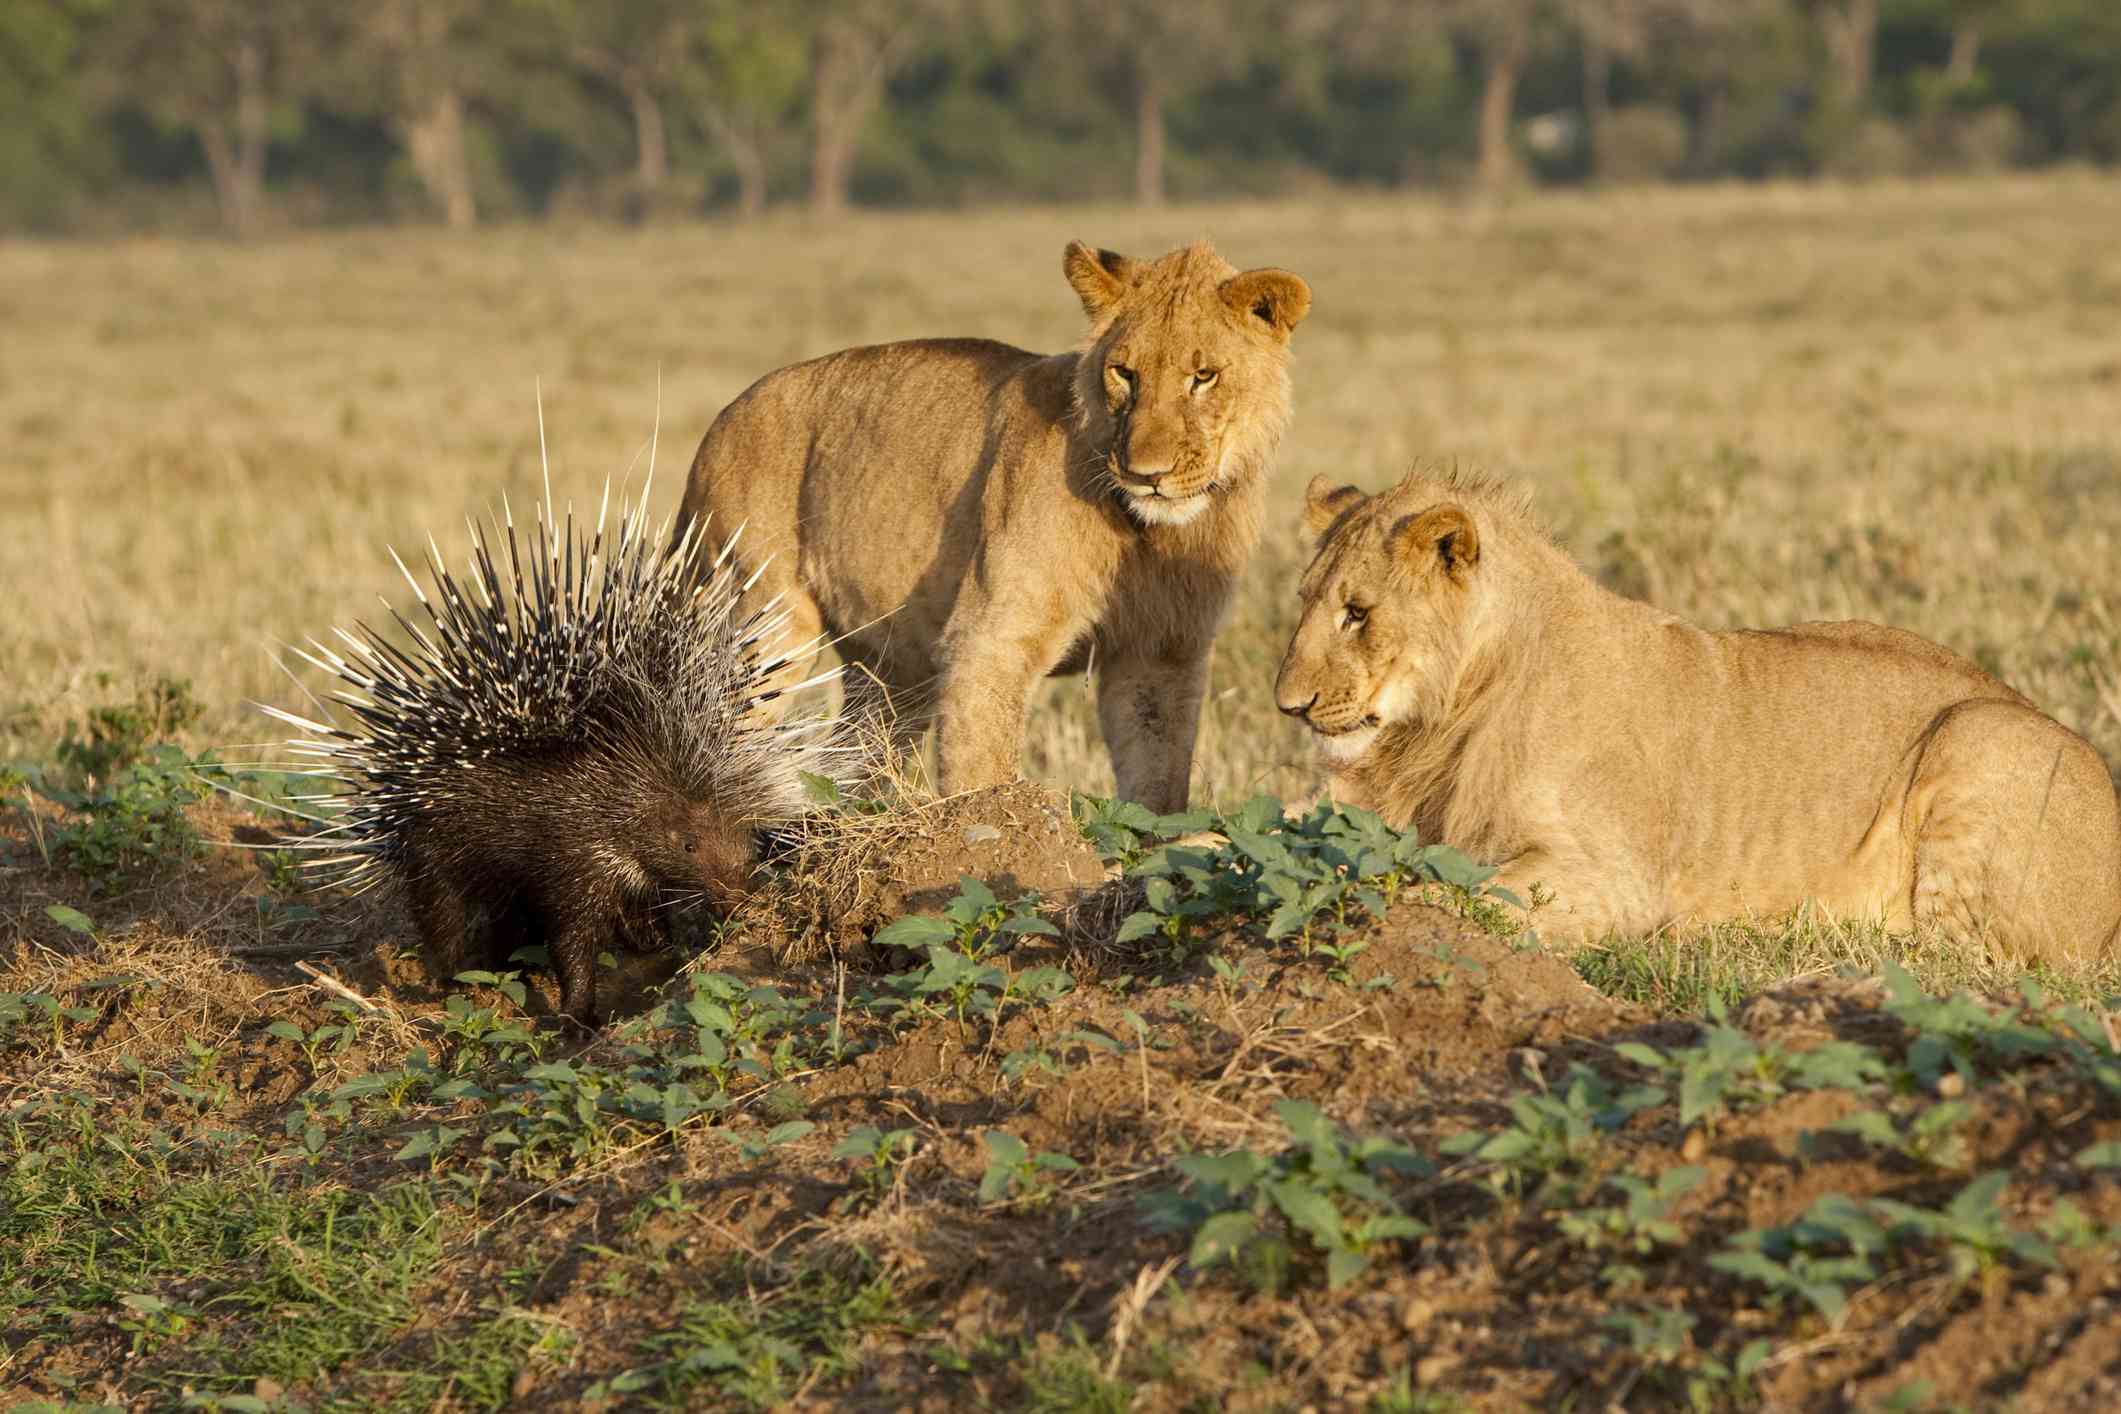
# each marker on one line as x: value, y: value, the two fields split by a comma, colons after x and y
x: 1148, y: 136
x: 1597, y: 89
x: 1498, y: 101
x: 747, y: 154
x: 1851, y: 41
x: 1966, y: 55
x: 435, y: 142
x: 846, y: 79
x: 651, y: 143
x: 235, y: 150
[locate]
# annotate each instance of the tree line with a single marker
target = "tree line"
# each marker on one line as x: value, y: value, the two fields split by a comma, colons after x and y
x: 122, y: 114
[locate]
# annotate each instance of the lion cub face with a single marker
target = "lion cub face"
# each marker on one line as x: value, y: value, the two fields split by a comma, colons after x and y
x: 1183, y: 383
x: 1385, y: 607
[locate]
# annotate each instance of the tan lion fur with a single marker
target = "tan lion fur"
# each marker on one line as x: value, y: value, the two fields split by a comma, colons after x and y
x: 969, y: 517
x: 1467, y: 678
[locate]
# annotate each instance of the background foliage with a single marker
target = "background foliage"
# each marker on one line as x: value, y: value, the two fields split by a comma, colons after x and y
x: 249, y: 114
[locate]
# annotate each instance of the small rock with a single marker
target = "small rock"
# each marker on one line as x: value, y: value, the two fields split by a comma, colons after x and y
x: 1695, y: 1146
x: 1950, y: 1085
x: 981, y: 834
x: 1416, y: 1314
x: 525, y: 1381
x: 267, y: 1389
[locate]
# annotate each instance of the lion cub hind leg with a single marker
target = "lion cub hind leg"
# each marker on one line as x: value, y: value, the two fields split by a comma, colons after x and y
x: 2017, y: 838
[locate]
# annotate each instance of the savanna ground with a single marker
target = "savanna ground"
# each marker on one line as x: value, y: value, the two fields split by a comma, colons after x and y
x: 1308, y: 1132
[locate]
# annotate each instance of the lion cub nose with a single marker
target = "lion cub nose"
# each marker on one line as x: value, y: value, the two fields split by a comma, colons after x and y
x: 1294, y: 708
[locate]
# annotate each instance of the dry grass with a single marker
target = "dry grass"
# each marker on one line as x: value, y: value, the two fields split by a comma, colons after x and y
x: 1750, y: 406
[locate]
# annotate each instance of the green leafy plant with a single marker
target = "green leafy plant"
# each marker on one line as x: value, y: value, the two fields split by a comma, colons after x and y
x: 1014, y: 1171
x: 134, y: 823
x: 1636, y: 1226
x: 1932, y: 1136
x: 879, y: 1154
x: 1729, y: 1070
x: 1972, y: 1229
x: 974, y: 923
x: 1814, y: 1259
x: 117, y: 735
x: 1550, y: 1134
x: 1310, y: 878
x: 1249, y: 1209
x: 1661, y: 1341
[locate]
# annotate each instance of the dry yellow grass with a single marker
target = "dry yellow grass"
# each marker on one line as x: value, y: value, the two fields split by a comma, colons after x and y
x: 1747, y: 405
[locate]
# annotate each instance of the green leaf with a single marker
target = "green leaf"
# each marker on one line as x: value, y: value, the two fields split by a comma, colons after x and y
x: 1233, y: 1173
x: 1309, y: 1211
x: 976, y: 894
x: 1307, y: 1123
x: 1289, y: 918
x: 71, y: 919
x: 1647, y: 1056
x: 822, y: 789
x: 1343, y: 1265
x: 917, y: 931
x: 788, y: 1132
x: 1871, y: 1126
x: 1452, y: 867
x: 1978, y: 1199
x: 2101, y: 1156
x: 1752, y: 1265
x: 286, y: 1031
x: 1221, y: 1238
x: 1005, y: 1148
x: 1137, y: 925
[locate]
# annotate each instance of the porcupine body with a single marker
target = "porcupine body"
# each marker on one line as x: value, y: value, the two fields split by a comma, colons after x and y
x: 567, y: 751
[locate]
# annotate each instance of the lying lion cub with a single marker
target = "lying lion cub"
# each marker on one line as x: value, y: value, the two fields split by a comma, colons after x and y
x: 1465, y: 677
x: 973, y: 517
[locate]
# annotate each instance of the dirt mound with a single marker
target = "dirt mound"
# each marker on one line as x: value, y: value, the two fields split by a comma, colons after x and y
x: 851, y: 873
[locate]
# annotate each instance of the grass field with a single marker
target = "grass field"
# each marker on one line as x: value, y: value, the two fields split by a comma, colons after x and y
x: 1748, y: 406
x: 1392, y: 1158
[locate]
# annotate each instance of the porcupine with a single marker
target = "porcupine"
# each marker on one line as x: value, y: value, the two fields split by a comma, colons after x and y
x: 566, y: 755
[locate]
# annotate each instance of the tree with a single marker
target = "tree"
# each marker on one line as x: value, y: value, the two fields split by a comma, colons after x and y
x: 1623, y: 29
x: 1503, y: 34
x: 1850, y: 29
x: 639, y: 50
x: 417, y: 63
x: 1153, y: 52
x: 224, y: 69
x: 44, y: 123
x: 855, y: 46
x: 748, y: 79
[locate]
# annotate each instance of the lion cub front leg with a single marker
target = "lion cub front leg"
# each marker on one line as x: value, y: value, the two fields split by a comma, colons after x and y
x: 1149, y: 711
x: 986, y: 693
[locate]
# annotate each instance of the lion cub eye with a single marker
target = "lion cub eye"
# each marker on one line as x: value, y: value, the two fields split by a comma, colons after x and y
x: 1202, y: 377
x: 1353, y: 615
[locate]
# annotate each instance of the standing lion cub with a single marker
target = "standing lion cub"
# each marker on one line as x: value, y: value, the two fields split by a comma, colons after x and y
x: 1467, y: 678
x: 969, y: 517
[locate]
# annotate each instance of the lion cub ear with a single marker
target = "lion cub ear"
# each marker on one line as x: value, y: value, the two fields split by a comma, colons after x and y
x: 1444, y: 532
x: 1324, y: 503
x: 1275, y: 298
x: 1100, y: 277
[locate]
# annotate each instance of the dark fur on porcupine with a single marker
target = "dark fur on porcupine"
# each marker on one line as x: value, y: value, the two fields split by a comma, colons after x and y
x: 566, y: 752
